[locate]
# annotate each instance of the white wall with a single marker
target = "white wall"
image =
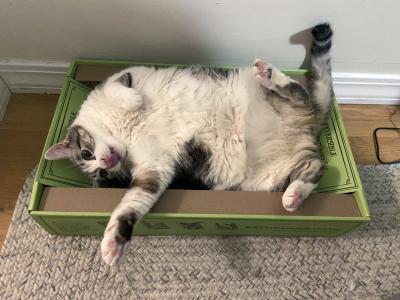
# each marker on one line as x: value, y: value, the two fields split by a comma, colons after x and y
x: 221, y: 32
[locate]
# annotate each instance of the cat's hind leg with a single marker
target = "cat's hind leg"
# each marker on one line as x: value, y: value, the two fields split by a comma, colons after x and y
x: 271, y: 78
x: 303, y: 180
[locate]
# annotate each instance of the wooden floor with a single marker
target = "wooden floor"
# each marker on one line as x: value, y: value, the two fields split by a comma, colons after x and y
x: 24, y: 128
x: 360, y: 122
x: 22, y: 135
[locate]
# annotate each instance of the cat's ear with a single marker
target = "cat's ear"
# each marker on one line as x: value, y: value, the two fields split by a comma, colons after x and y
x: 126, y: 79
x: 58, y: 151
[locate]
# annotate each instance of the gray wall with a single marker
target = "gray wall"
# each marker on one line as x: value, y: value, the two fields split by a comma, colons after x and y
x: 367, y: 38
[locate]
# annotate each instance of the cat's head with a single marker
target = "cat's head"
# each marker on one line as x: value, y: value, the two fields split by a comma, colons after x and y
x: 99, y: 155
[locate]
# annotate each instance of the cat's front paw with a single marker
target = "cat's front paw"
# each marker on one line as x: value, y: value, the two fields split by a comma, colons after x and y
x: 128, y: 99
x: 113, y: 245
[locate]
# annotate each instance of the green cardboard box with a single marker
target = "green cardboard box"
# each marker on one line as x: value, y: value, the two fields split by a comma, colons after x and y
x: 63, y: 202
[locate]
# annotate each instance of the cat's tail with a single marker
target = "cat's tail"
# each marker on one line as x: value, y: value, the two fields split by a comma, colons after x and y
x: 321, y: 79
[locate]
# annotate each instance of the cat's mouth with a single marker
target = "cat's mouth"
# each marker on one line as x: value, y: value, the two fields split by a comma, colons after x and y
x: 112, y: 159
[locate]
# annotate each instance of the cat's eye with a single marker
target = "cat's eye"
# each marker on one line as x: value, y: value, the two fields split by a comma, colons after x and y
x: 86, y: 154
x: 103, y: 173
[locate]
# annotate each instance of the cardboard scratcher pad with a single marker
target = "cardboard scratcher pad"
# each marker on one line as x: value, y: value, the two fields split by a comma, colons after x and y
x: 200, y: 202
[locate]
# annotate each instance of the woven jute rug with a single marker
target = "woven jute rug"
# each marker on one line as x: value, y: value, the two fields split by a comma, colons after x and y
x: 364, y: 264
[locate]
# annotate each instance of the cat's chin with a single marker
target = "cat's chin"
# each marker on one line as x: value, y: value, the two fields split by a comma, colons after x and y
x: 116, y: 168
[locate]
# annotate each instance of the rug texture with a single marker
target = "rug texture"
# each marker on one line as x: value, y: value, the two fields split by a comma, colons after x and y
x: 364, y: 264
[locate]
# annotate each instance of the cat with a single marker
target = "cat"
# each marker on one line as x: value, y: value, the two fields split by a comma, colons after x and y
x: 252, y: 129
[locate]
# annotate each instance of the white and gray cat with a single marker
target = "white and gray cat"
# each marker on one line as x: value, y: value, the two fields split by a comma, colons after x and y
x: 252, y: 129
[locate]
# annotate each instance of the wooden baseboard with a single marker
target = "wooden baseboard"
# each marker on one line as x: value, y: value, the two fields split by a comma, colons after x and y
x: 23, y: 76
x: 353, y: 88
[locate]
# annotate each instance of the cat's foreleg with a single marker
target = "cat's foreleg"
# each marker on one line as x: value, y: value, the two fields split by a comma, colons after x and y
x: 121, y: 93
x: 149, y: 182
x: 271, y: 78
x: 303, y: 180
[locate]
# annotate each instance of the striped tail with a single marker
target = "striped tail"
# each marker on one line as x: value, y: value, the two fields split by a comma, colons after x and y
x: 321, y: 79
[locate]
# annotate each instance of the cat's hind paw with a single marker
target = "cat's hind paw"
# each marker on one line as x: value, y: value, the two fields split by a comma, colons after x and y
x: 291, y: 200
x: 295, y: 194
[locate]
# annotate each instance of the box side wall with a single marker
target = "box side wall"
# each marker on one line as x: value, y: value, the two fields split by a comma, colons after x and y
x: 124, y: 64
x: 71, y: 69
x: 355, y: 226
x: 95, y: 225
x: 359, y: 194
x: 53, y: 126
x: 57, y: 183
x: 75, y: 223
x: 42, y: 222
x: 36, y: 195
x: 362, y: 202
x: 241, y: 226
x: 62, y: 173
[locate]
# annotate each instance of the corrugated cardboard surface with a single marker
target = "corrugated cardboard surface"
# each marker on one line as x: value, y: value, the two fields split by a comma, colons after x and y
x: 340, y: 176
x: 200, y: 202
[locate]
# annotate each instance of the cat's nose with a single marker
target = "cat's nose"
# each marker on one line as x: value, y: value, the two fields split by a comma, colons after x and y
x: 111, y: 160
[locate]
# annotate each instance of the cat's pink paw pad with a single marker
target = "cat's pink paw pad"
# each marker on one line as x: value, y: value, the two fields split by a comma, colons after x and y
x: 262, y: 71
x: 260, y: 65
x: 113, y: 247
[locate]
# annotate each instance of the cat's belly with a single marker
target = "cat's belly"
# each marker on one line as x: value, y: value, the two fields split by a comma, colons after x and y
x: 269, y: 150
x: 243, y: 142
x: 270, y: 161
x: 267, y: 165
x: 225, y: 140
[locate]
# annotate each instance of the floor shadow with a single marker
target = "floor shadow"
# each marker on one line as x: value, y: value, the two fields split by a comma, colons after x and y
x: 238, y: 254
